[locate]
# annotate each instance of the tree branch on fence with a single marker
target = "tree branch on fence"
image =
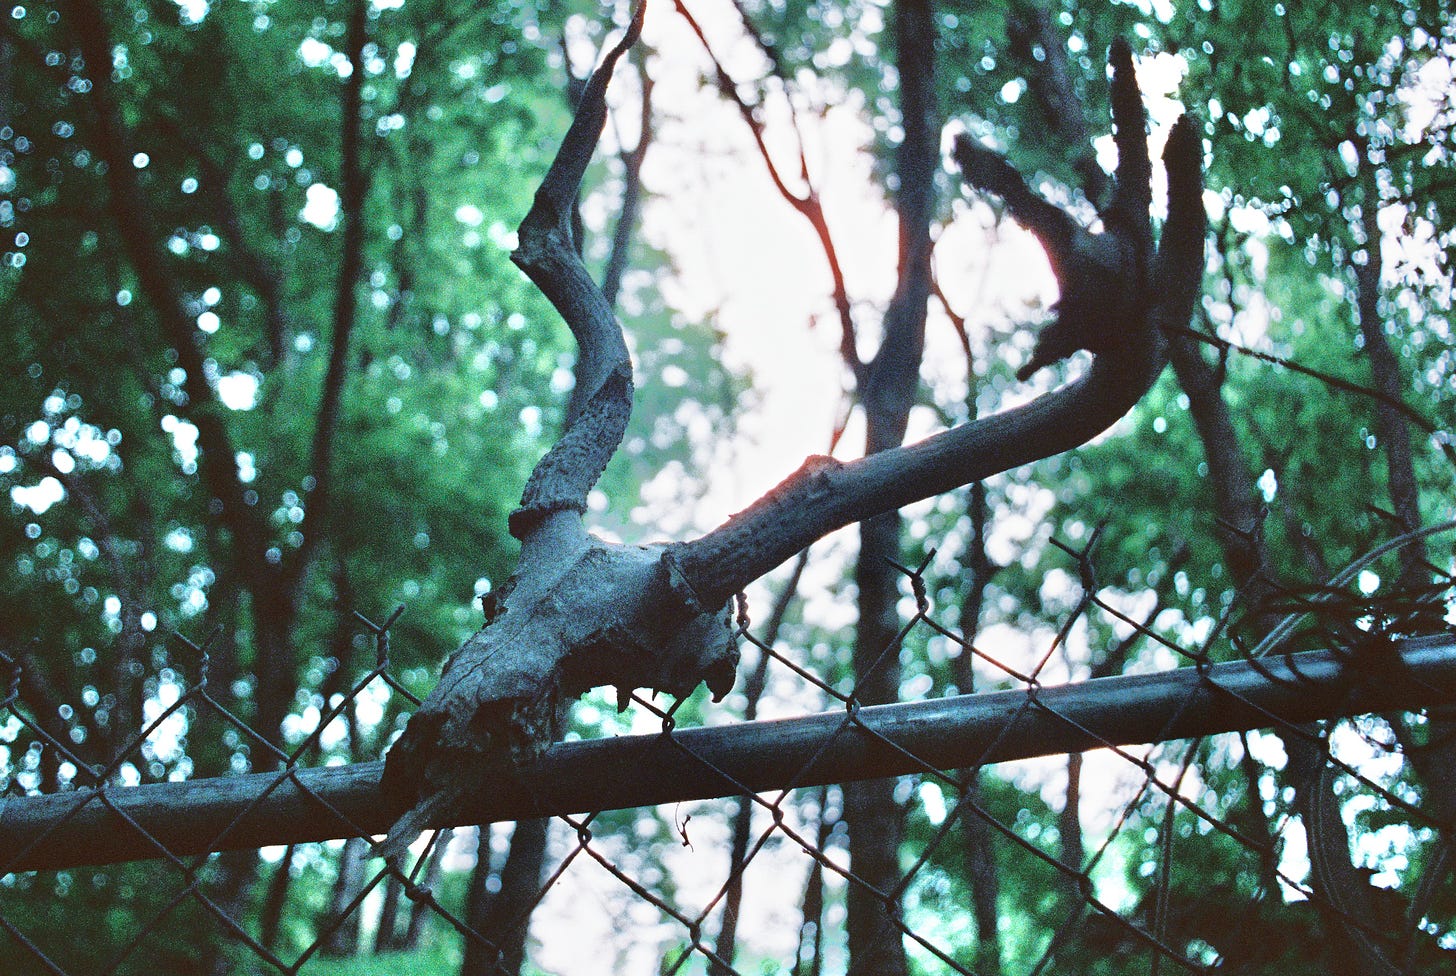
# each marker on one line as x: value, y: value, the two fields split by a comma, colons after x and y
x: 580, y: 613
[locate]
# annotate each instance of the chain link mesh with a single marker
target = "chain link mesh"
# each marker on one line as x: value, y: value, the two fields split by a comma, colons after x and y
x: 1259, y: 849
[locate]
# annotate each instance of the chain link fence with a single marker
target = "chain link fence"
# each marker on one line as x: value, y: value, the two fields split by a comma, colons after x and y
x: 1292, y: 813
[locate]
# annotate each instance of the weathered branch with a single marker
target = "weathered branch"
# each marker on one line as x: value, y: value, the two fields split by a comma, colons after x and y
x: 546, y: 251
x: 579, y: 613
x: 826, y: 494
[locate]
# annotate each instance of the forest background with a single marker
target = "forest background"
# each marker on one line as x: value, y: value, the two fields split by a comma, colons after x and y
x: 268, y: 364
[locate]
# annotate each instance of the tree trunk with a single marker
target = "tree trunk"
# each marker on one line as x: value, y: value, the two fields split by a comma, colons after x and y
x: 1344, y: 895
x: 1393, y: 428
x: 980, y: 857
x: 387, y: 936
x: 270, y: 917
x: 809, y: 958
x: 1432, y: 755
x: 874, y: 818
x: 507, y: 918
x: 343, y: 939
x: 726, y: 946
x: 477, y: 902
x: 421, y: 911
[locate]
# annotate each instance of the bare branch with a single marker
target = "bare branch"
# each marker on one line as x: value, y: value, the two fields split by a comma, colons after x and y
x: 548, y: 255
x: 807, y: 203
x: 1112, y: 311
x: 579, y: 613
x: 632, y: 161
x: 1132, y: 197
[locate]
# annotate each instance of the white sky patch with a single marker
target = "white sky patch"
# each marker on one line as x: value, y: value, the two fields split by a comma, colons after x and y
x: 404, y: 60
x: 184, y: 438
x: 40, y: 496
x: 238, y: 390
x: 247, y: 470
x: 164, y: 743
x: 193, y: 11
x: 321, y: 206
x: 469, y: 214
x: 314, y: 52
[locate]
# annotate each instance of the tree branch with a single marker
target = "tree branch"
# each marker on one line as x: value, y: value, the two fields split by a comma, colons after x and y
x: 579, y: 613
x: 632, y: 161
x: 355, y: 185
x: 547, y: 254
x: 807, y: 203
x: 826, y: 494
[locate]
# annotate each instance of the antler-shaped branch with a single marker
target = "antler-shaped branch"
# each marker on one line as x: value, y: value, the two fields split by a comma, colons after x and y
x: 1102, y: 277
x: 1116, y: 297
x: 579, y: 613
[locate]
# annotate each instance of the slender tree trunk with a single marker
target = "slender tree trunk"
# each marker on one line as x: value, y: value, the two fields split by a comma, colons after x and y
x: 1069, y: 824
x: 874, y: 818
x: 1344, y: 895
x: 1433, y: 754
x: 809, y: 959
x: 270, y: 916
x: 507, y: 917
x: 1393, y: 428
x: 386, y: 936
x: 420, y: 911
x: 477, y: 902
x: 980, y: 839
x: 343, y: 940
x: 1254, y: 823
x: 354, y: 187
x: 726, y: 946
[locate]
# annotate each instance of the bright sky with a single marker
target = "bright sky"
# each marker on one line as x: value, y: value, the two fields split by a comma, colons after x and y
x: 740, y: 250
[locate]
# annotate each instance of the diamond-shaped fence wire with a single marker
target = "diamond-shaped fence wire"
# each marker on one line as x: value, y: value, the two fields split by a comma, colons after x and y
x: 1168, y: 807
